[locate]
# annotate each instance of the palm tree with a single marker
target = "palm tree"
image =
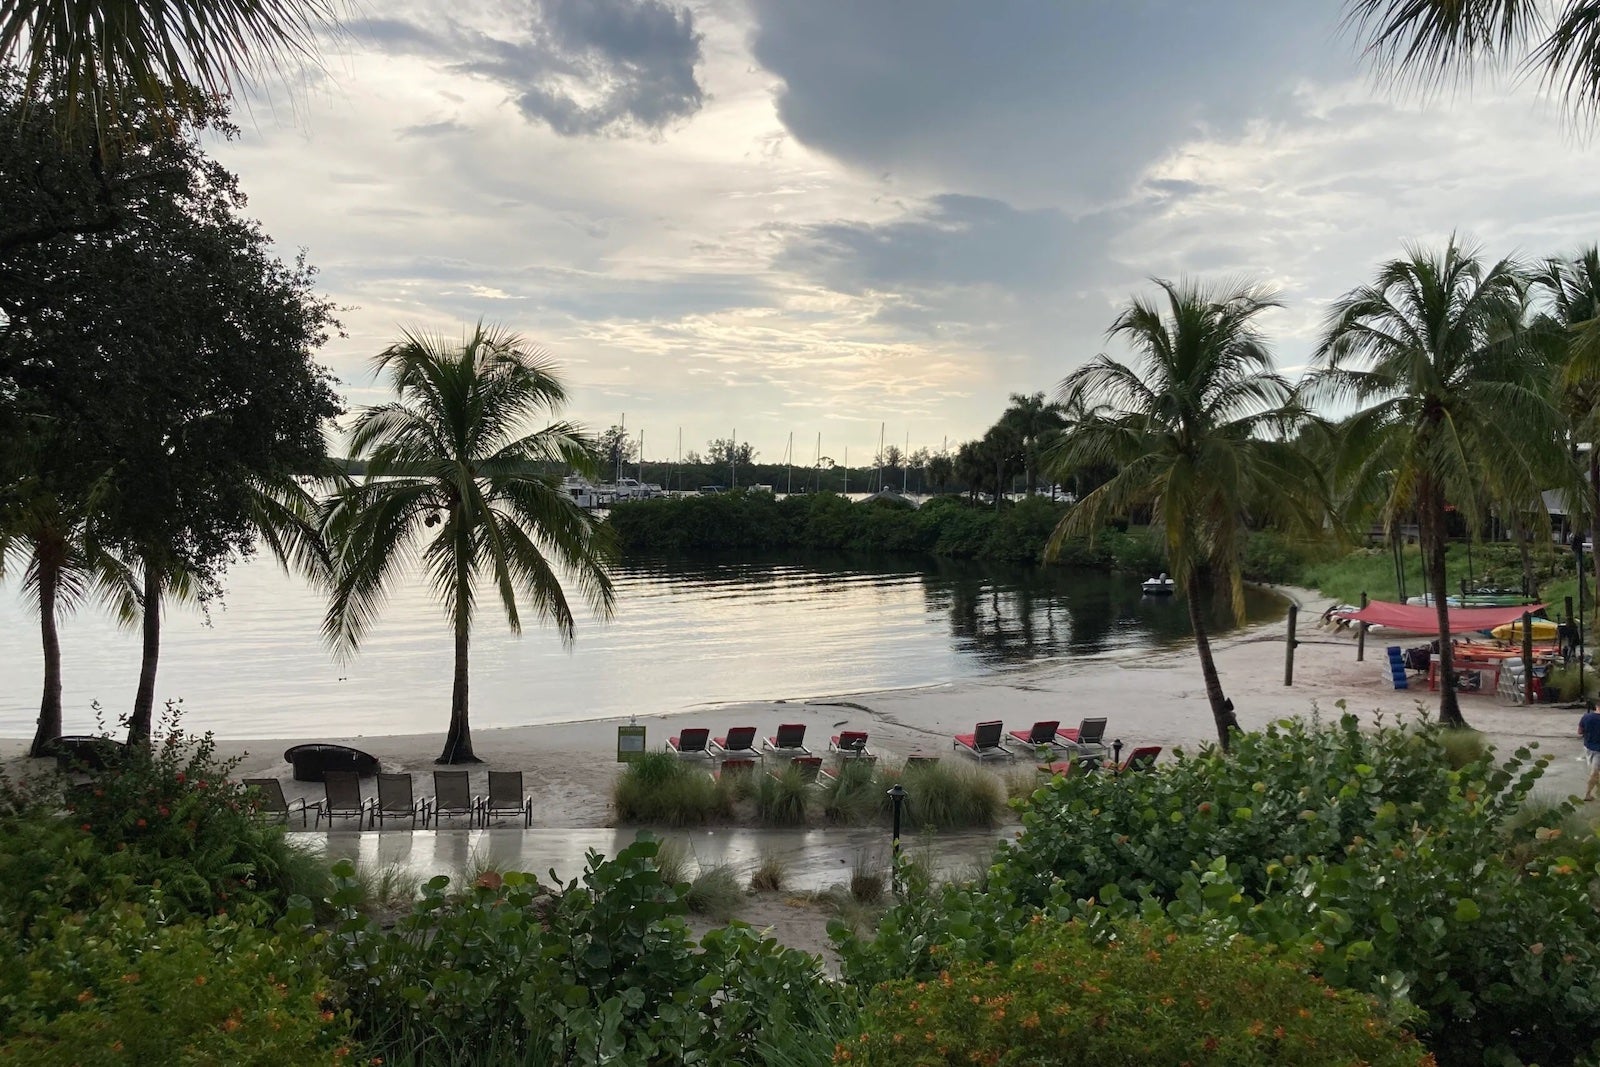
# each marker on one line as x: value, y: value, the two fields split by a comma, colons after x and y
x: 1190, y: 430
x: 172, y: 53
x: 62, y: 567
x: 1450, y: 397
x: 1036, y: 421
x: 451, y: 455
x: 1432, y: 42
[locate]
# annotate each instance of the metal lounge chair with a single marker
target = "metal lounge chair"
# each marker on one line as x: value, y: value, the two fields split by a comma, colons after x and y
x: 740, y: 739
x: 808, y: 766
x: 733, y: 768
x: 1043, y: 733
x: 984, y: 740
x: 690, y: 742
x: 505, y: 798
x: 396, y: 800
x: 271, y: 802
x: 342, y: 799
x: 851, y: 744
x: 452, y: 796
x: 789, y: 740
x: 1089, y: 735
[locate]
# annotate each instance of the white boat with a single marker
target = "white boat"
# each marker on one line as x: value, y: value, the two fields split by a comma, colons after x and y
x: 629, y: 489
x: 1158, y: 586
x: 583, y: 493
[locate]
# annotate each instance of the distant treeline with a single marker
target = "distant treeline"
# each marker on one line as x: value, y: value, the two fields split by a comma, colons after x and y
x: 944, y: 526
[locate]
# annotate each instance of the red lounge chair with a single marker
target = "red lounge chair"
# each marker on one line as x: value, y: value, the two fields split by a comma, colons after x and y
x: 791, y: 737
x: 984, y: 741
x: 808, y: 766
x: 852, y: 744
x: 1061, y: 767
x: 1090, y: 734
x: 691, y: 742
x: 1140, y: 759
x: 739, y: 739
x: 732, y: 767
x: 1043, y: 733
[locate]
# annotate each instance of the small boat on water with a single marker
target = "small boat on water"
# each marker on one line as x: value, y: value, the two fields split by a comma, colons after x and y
x: 1161, y: 585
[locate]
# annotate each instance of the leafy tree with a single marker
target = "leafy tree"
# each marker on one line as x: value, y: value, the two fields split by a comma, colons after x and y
x: 724, y: 450
x: 1450, y: 393
x: 451, y: 455
x: 941, y: 469
x: 1187, y: 429
x: 1432, y: 42
x: 616, y: 450
x: 1037, y: 422
x: 178, y: 53
x: 161, y: 356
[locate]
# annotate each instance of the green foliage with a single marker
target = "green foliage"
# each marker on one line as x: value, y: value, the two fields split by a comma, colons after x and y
x: 782, y: 798
x: 602, y: 969
x: 715, y: 892
x: 1398, y: 874
x: 116, y: 985
x: 854, y: 795
x: 1372, y: 571
x: 1146, y: 996
x: 949, y: 795
x: 1564, y: 681
x: 771, y: 872
x: 944, y: 526
x: 167, y: 815
x: 661, y: 789
x: 1274, y: 558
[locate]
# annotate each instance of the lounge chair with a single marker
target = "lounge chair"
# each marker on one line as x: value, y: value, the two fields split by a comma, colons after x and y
x: 984, y: 740
x: 852, y: 744
x: 452, y: 796
x: 790, y: 739
x: 921, y: 759
x: 808, y: 766
x: 733, y: 768
x: 1062, y: 767
x: 740, y: 739
x: 690, y: 742
x: 505, y: 798
x: 342, y: 799
x: 272, y: 803
x: 1142, y: 758
x: 1043, y: 733
x: 396, y: 800
x: 1090, y: 734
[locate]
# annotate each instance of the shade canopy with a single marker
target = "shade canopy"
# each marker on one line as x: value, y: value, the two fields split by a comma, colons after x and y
x: 1424, y: 619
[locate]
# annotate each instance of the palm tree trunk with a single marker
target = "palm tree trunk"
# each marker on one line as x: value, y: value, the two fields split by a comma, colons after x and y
x: 1221, y: 706
x: 49, y: 727
x: 1594, y: 518
x: 1433, y: 552
x: 458, y: 741
x: 145, y: 699
x: 1524, y: 538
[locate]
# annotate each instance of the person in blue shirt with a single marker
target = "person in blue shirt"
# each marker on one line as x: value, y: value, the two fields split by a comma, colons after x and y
x: 1589, y: 730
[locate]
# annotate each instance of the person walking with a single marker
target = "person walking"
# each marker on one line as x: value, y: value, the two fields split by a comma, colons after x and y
x: 1589, y: 730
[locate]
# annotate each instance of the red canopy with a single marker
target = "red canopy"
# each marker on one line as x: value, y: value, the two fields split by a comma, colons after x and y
x: 1420, y: 619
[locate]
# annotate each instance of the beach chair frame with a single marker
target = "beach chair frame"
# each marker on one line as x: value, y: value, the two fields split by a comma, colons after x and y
x: 452, y: 797
x: 790, y: 739
x: 342, y: 799
x: 397, y: 799
x: 985, y: 741
x: 506, y: 798
x: 741, y: 740
x: 275, y: 803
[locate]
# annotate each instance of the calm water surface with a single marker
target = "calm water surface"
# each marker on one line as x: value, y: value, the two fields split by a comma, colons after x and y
x: 686, y: 632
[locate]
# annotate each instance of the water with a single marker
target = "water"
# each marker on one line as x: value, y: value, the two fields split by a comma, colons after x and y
x: 686, y: 632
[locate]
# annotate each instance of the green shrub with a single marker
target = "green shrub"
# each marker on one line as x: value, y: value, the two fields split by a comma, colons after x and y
x: 1145, y: 997
x: 854, y: 795
x: 715, y: 892
x: 782, y: 798
x: 771, y: 872
x: 600, y: 970
x: 116, y: 986
x: 949, y: 795
x: 1564, y: 681
x: 661, y: 789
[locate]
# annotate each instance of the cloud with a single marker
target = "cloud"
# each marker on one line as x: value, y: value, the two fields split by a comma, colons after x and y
x: 581, y: 67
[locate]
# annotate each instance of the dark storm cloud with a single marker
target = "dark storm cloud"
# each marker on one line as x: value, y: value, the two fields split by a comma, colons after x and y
x: 580, y: 66
x: 1031, y: 102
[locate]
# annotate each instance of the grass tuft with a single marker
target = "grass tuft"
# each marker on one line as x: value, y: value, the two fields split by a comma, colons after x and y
x: 715, y: 892
x: 781, y: 799
x: 660, y: 789
x: 950, y: 795
x: 867, y: 882
x: 772, y: 870
x: 854, y: 796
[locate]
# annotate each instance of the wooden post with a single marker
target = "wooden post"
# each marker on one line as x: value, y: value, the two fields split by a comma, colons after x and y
x: 1361, y: 635
x: 1527, y: 657
x: 1569, y: 609
x: 1288, y: 650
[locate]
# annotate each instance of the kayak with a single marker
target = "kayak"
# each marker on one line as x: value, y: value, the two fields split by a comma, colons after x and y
x: 1543, y: 630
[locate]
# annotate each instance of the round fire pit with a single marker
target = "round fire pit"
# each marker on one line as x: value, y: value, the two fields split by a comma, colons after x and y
x: 311, y: 762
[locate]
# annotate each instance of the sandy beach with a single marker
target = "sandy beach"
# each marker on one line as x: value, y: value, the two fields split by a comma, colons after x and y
x: 1149, y: 697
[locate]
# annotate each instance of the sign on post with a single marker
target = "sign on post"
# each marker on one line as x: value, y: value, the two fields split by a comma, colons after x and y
x: 630, y: 743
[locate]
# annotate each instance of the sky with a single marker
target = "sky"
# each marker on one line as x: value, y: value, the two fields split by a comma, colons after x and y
x: 854, y: 218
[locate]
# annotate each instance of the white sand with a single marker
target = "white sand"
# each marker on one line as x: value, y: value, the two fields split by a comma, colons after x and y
x: 1149, y: 698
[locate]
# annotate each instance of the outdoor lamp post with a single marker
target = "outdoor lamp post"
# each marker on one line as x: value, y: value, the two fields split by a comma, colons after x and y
x: 897, y: 799
x: 1116, y: 756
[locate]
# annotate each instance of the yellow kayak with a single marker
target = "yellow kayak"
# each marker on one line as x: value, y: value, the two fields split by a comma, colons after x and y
x: 1543, y: 630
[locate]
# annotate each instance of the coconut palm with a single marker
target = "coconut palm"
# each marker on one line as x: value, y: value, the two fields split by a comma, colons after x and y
x: 1451, y: 399
x: 163, y: 51
x: 1432, y: 42
x: 62, y: 567
x: 1193, y: 430
x: 1036, y: 421
x: 456, y: 483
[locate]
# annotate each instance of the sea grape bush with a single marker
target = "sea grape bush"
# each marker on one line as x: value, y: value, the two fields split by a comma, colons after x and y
x: 1396, y: 874
x: 601, y: 970
x: 1143, y: 994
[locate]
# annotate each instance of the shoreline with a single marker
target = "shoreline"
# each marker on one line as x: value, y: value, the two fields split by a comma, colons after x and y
x: 1150, y: 697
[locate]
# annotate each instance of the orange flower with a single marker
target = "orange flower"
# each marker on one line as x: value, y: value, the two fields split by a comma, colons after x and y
x: 327, y: 1016
x: 85, y: 997
x: 231, y: 1025
x: 199, y: 979
x: 1278, y: 1032
x: 1211, y: 1044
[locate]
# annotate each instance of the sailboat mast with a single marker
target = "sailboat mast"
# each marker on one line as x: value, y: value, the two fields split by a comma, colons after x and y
x: 622, y: 439
x: 905, y: 480
x: 790, y: 489
x: 881, y: 427
x: 817, y: 464
x: 846, y: 470
x: 641, y: 455
x: 733, y: 460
